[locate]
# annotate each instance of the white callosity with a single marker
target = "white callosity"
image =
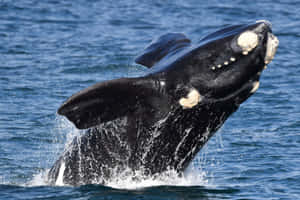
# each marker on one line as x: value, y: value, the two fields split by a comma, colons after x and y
x: 255, y: 86
x: 247, y: 41
x: 192, y: 99
x: 232, y: 59
x: 272, y: 45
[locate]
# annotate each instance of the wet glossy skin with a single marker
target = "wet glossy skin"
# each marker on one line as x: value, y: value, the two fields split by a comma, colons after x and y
x: 161, y: 121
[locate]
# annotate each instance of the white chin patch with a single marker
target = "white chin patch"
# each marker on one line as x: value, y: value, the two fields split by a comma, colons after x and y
x: 192, y: 99
x: 255, y: 86
x: 272, y: 45
x: 247, y: 41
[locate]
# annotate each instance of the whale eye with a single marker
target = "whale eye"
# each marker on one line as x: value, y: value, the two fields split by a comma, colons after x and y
x: 247, y: 41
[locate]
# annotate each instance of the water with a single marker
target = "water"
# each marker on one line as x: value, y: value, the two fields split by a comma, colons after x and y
x: 51, y: 49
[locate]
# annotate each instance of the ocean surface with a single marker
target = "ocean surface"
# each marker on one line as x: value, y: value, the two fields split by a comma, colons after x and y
x: 50, y: 49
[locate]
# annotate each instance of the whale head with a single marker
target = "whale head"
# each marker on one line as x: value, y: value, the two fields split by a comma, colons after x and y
x: 227, y: 64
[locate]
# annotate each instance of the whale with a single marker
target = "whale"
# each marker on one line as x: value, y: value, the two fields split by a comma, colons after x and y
x: 160, y: 121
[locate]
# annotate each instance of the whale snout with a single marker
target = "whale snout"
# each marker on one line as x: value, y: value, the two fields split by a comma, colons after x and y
x: 261, y: 34
x: 234, y: 67
x: 252, y: 36
x: 270, y: 42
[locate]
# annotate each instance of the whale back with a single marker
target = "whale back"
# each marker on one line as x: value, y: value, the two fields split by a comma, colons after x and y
x: 164, y: 46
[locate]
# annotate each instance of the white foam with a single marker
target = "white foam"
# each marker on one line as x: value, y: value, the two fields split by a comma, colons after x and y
x: 199, y: 173
x: 130, y: 180
x: 67, y: 129
x: 63, y: 133
x: 39, y: 179
x: 168, y: 178
x: 195, y: 175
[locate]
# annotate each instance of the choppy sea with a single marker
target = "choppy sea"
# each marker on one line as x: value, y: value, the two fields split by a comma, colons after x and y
x: 51, y: 49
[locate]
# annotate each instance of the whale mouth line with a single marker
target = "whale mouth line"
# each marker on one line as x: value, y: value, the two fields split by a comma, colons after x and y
x: 246, y: 89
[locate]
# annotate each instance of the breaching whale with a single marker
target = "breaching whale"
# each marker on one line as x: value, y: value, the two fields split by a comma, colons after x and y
x: 161, y: 120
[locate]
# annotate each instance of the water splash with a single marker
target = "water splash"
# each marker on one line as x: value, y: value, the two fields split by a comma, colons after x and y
x: 195, y: 175
x: 199, y: 173
x: 39, y: 179
x: 137, y: 180
x: 63, y: 134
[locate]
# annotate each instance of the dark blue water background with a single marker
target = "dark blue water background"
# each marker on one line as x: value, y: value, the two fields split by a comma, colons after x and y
x: 51, y: 49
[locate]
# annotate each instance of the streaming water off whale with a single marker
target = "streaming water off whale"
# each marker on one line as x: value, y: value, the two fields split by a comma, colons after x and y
x: 52, y: 49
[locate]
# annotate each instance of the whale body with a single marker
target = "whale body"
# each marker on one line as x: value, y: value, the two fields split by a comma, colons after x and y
x: 161, y: 120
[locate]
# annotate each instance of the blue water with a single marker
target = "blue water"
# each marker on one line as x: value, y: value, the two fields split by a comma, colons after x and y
x: 51, y: 49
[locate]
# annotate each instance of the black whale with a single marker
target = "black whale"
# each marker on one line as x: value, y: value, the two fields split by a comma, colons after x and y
x: 160, y: 121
